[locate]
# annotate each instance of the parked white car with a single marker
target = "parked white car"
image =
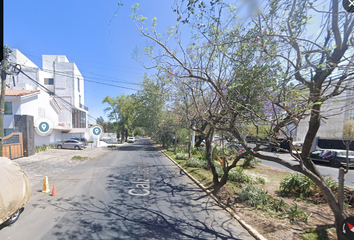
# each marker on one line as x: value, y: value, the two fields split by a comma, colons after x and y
x: 131, y: 139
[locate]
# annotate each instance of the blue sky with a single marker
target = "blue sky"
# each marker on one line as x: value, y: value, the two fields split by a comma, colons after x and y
x: 81, y: 31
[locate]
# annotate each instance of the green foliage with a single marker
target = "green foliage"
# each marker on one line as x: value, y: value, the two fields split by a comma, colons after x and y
x: 197, y: 163
x: 297, y: 185
x: 239, y: 176
x: 254, y: 196
x: 295, y: 213
x: 279, y: 205
x: 121, y: 109
x: 149, y: 109
x: 182, y: 156
x: 250, y: 161
x: 44, y: 148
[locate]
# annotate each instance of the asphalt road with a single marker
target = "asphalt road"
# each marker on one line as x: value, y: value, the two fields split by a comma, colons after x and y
x: 325, y: 169
x: 131, y: 193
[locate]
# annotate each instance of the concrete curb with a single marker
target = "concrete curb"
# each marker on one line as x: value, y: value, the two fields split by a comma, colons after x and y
x: 249, y: 228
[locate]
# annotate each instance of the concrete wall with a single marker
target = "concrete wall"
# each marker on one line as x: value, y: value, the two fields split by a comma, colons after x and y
x: 53, y: 138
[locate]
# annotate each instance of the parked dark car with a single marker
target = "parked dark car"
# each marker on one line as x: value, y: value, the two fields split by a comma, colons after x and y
x: 71, y: 144
x: 15, y: 191
x: 83, y: 140
x: 335, y: 157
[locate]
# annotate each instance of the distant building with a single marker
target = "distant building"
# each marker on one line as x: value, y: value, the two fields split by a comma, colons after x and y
x: 335, y: 112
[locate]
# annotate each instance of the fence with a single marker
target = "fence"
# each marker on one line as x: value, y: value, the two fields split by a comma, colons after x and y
x: 13, y: 146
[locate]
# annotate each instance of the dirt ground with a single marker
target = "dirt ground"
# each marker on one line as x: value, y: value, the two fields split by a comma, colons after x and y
x: 276, y: 227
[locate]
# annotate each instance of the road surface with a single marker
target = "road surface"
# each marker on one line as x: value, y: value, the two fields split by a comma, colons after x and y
x: 324, y: 168
x: 131, y: 193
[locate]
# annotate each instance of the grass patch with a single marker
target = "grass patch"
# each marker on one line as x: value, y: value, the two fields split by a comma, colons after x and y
x: 79, y: 158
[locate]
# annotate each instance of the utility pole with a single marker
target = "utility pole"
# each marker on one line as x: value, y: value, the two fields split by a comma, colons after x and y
x: 2, y: 96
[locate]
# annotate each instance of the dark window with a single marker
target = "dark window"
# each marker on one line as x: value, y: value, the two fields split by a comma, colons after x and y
x: 78, y: 118
x: 78, y: 84
x: 49, y: 81
x: 8, y: 131
x: 8, y: 108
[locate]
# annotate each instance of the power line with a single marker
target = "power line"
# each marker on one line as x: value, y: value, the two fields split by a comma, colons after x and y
x: 85, y: 79
x: 55, y: 95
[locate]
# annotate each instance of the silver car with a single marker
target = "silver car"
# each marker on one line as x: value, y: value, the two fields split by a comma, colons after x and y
x: 71, y: 144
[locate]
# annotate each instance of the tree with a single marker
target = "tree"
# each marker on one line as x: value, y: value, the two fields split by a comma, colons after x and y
x: 121, y: 109
x: 150, y: 102
x: 266, y: 69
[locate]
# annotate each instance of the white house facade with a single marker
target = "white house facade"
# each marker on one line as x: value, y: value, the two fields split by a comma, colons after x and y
x: 55, y: 92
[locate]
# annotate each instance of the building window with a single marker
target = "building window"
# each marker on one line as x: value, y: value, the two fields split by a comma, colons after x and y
x: 80, y: 99
x: 49, y: 81
x: 8, y: 108
x: 78, y: 118
x: 78, y: 84
x: 8, y: 131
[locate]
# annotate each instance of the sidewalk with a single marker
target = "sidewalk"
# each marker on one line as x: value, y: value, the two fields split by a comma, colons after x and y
x: 51, y: 162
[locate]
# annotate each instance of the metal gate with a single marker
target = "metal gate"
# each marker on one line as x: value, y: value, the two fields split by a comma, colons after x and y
x: 13, y: 146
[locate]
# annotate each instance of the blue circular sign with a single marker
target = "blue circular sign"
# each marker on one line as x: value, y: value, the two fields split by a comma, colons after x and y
x: 97, y: 131
x: 43, y: 127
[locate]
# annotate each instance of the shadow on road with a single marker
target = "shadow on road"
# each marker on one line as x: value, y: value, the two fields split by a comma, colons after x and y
x: 168, y: 207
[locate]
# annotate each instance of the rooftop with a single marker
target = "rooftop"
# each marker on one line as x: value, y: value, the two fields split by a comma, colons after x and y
x: 10, y: 92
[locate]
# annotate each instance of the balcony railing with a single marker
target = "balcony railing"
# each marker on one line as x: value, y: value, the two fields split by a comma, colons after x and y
x: 83, y: 107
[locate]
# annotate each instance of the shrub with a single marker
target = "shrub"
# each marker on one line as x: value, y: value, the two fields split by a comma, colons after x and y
x: 44, y: 148
x: 182, y: 156
x: 247, y: 162
x: 297, y: 185
x: 332, y: 184
x: 195, y: 151
x: 197, y: 163
x: 239, y: 176
x: 254, y: 196
x: 250, y: 161
x: 279, y: 205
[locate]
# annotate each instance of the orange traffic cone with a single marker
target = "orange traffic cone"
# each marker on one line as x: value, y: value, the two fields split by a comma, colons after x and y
x: 45, y: 185
x: 54, y: 192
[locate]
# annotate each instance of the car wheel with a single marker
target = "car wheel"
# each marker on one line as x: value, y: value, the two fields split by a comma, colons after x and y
x: 335, y: 163
x: 77, y: 147
x: 12, y: 219
x: 59, y: 147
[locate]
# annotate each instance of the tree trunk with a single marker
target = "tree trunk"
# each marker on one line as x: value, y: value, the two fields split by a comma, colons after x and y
x: 335, y: 204
x: 189, y: 145
x: 175, y: 151
x: 222, y: 182
x: 209, y: 155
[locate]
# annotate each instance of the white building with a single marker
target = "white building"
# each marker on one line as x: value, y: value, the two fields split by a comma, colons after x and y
x: 61, y: 100
x: 334, y: 113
